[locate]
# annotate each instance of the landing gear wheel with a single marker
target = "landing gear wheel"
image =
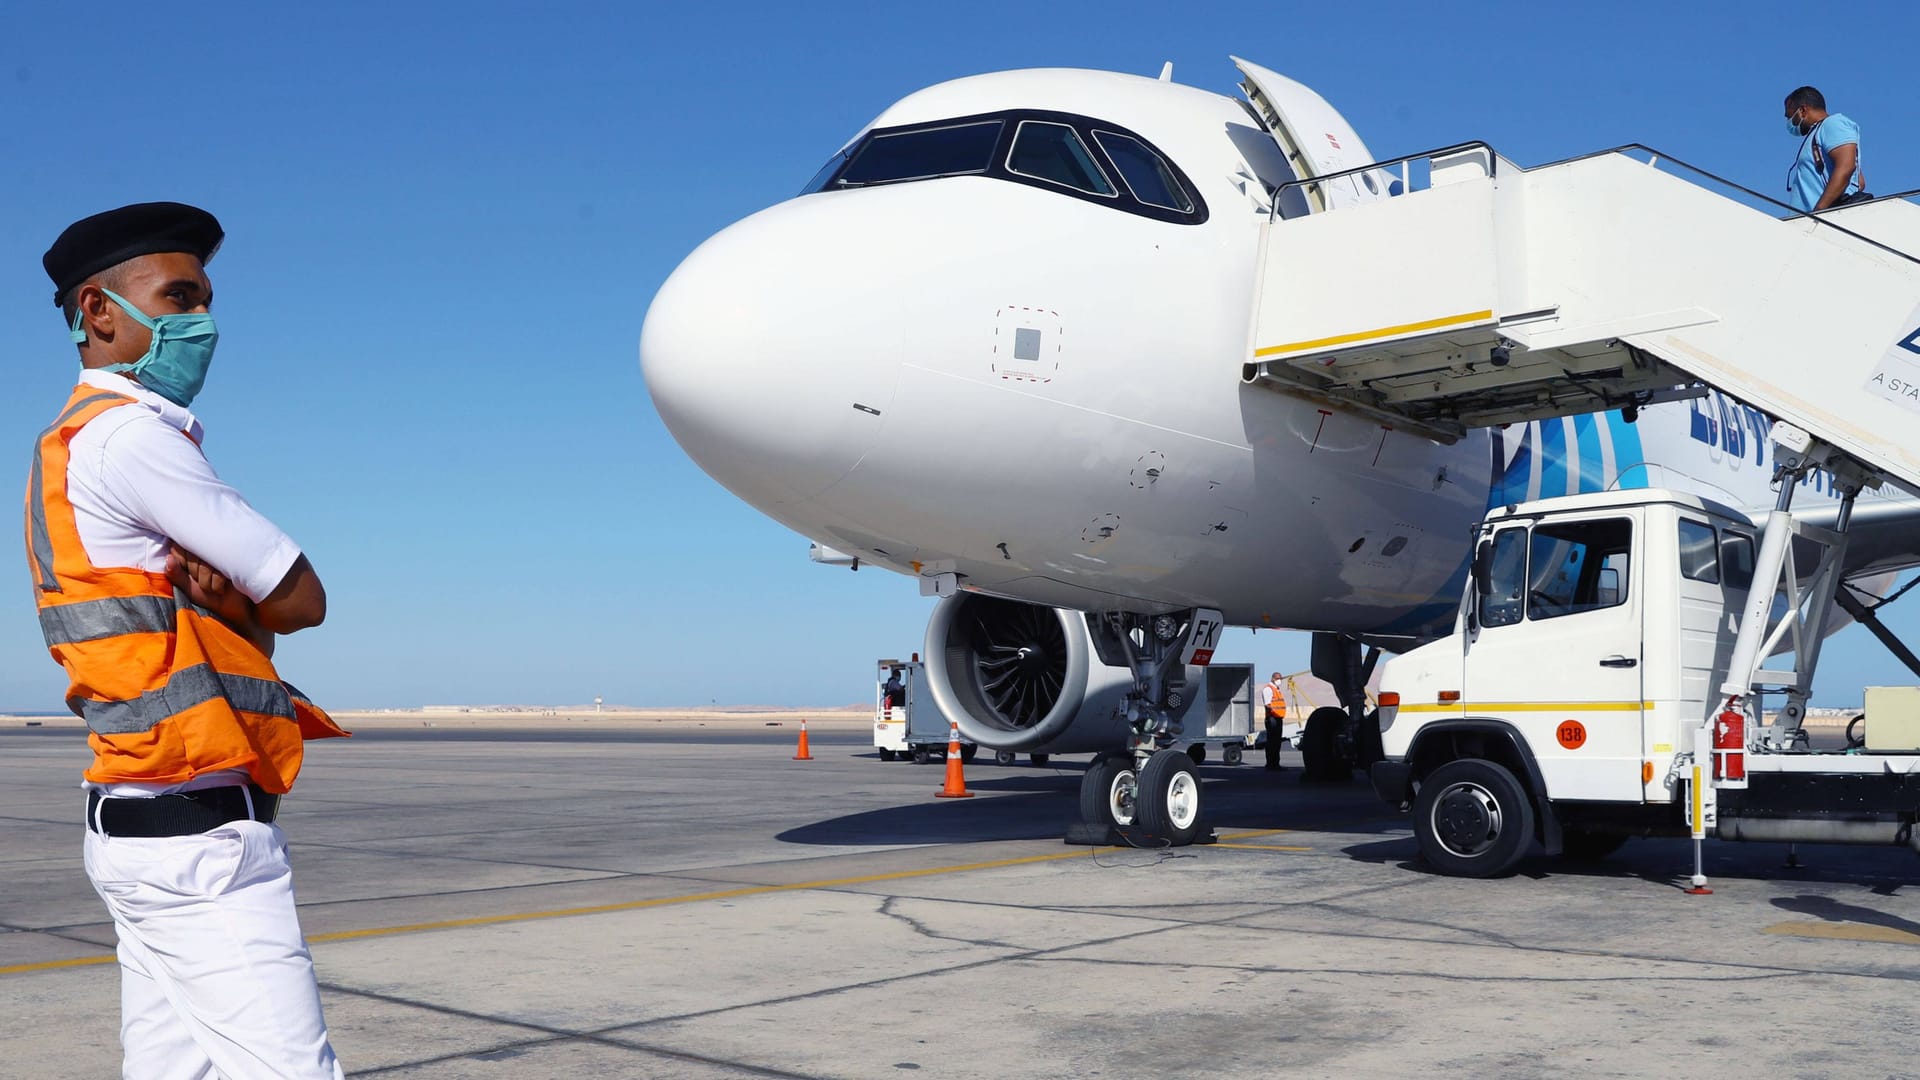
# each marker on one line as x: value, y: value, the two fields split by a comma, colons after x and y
x: 1230, y: 755
x: 1038, y: 759
x: 1579, y: 845
x: 1108, y: 789
x: 887, y: 755
x: 1198, y: 752
x: 920, y: 755
x: 1003, y: 758
x: 1169, y: 800
x: 1472, y: 818
x: 967, y: 751
x: 1320, y: 754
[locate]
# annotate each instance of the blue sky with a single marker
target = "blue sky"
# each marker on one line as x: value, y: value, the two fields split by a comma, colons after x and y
x: 445, y: 223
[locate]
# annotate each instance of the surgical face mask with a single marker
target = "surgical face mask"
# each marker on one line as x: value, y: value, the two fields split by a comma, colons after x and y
x: 1793, y: 124
x: 175, y: 365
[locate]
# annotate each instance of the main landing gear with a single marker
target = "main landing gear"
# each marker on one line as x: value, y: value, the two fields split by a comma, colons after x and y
x: 1149, y: 794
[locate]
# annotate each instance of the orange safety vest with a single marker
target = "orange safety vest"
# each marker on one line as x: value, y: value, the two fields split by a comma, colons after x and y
x: 168, y: 691
x: 1277, y: 707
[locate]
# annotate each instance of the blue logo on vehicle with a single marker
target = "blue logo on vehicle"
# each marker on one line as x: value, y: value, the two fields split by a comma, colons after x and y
x: 1912, y: 342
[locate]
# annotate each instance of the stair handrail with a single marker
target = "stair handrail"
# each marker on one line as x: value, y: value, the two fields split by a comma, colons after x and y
x: 1655, y: 158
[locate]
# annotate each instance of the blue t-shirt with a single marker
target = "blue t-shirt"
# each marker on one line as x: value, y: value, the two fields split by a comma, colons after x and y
x: 1808, y: 177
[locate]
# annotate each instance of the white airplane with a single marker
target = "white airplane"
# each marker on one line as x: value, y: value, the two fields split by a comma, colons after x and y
x: 997, y: 345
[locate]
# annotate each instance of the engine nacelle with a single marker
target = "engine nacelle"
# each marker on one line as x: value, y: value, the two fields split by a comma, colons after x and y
x: 1018, y: 676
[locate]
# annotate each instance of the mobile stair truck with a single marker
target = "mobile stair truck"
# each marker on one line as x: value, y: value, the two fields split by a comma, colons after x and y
x: 1607, y: 675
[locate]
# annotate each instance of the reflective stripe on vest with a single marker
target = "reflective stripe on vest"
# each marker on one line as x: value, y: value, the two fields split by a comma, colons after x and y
x: 91, y: 620
x: 187, y: 688
x: 38, y: 538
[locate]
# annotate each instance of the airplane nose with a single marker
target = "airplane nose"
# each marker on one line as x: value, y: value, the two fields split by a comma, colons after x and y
x: 747, y: 352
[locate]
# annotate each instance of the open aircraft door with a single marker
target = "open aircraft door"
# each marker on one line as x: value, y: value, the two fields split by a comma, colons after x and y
x: 1316, y: 140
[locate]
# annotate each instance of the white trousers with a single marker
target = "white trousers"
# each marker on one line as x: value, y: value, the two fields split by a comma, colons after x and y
x: 215, y: 977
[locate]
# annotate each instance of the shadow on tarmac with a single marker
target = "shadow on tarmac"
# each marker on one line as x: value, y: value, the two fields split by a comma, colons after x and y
x: 1040, y: 804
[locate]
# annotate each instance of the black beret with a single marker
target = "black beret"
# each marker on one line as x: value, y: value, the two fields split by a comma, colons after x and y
x: 92, y: 244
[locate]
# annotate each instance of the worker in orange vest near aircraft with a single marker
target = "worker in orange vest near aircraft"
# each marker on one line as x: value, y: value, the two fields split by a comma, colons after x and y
x: 160, y: 591
x: 1273, y: 701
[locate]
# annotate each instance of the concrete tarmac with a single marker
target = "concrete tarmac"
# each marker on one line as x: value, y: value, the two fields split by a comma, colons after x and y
x: 519, y: 906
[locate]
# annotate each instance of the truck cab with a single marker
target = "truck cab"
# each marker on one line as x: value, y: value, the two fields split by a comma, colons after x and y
x: 1589, y: 645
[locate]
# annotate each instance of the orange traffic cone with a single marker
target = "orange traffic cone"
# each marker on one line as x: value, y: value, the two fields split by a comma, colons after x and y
x: 956, y: 779
x: 803, y: 755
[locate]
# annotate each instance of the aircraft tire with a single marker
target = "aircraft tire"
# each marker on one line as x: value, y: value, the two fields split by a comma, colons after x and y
x: 1472, y: 819
x: 1320, y: 754
x: 1169, y: 799
x: 1108, y: 790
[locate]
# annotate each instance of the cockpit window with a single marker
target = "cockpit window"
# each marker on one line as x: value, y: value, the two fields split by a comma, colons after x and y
x: 922, y: 155
x: 1067, y: 154
x: 1145, y: 174
x: 1054, y: 153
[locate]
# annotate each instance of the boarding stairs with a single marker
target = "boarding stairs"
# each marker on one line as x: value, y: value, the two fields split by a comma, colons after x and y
x: 1497, y: 295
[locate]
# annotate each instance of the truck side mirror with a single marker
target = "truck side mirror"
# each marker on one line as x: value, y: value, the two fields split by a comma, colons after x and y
x: 1481, y: 572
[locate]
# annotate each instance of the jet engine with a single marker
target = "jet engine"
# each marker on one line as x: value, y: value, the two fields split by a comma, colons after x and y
x: 1019, y: 676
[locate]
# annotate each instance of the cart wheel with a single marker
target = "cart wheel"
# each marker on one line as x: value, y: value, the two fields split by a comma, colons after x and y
x: 887, y: 755
x: 1198, y: 752
x: 1003, y: 758
x: 1230, y: 755
x: 1038, y: 759
x: 920, y: 755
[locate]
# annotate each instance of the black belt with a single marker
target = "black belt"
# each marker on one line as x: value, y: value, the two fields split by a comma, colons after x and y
x: 183, y: 814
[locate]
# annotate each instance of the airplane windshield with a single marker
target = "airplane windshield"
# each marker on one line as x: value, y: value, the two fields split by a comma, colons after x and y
x: 922, y: 155
x: 1064, y: 153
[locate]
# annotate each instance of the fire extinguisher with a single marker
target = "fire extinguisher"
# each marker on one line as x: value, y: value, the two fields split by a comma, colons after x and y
x: 1730, y: 746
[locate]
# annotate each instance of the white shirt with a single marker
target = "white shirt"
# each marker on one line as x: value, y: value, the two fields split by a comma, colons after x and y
x: 1266, y: 693
x: 138, y: 485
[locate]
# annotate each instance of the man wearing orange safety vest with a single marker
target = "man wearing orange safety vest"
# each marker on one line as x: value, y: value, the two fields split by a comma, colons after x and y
x: 160, y: 592
x: 1273, y: 699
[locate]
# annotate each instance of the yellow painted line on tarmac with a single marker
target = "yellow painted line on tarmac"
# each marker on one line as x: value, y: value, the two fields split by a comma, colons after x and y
x: 1251, y: 835
x: 630, y: 905
x: 55, y: 965
x: 1262, y: 847
x: 1886, y: 935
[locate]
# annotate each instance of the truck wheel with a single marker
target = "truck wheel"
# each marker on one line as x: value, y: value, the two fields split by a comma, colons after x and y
x: 1198, y: 753
x: 1320, y: 754
x: 1108, y: 789
x: 1579, y: 845
x: 1003, y: 758
x: 886, y: 754
x: 1169, y: 799
x: 1230, y: 755
x: 967, y: 751
x: 1472, y: 818
x: 1038, y: 759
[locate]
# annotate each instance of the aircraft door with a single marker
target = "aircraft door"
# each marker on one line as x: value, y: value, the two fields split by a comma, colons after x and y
x: 1557, y: 650
x: 1316, y: 140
